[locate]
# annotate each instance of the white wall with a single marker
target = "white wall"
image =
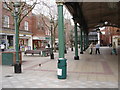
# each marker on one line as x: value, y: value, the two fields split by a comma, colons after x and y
x: 30, y: 42
x: 115, y: 39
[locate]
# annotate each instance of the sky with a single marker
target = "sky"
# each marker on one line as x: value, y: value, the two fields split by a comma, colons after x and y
x: 40, y: 8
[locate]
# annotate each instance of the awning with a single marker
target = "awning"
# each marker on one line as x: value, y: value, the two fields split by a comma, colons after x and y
x: 24, y: 37
x: 38, y: 38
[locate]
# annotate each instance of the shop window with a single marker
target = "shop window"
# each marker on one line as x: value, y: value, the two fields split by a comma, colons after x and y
x: 6, y: 21
x: 26, y: 25
x: 10, y: 42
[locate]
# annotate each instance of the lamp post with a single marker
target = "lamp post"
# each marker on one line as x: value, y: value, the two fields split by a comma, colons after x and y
x: 51, y: 54
x: 17, y: 66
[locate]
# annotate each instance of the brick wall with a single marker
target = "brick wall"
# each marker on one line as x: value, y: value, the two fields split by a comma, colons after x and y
x: 0, y: 15
x: 11, y: 18
x: 109, y: 33
x: 39, y: 29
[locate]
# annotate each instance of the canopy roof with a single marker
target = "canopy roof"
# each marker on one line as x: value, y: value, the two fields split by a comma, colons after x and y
x: 90, y: 14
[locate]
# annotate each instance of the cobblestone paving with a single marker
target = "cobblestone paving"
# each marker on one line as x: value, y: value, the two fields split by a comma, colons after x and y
x: 91, y: 71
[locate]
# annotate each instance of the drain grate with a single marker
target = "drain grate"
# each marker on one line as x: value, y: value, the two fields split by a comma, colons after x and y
x: 8, y: 76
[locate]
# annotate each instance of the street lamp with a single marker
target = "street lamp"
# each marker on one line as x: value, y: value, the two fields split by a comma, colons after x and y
x: 51, y: 54
x: 17, y: 66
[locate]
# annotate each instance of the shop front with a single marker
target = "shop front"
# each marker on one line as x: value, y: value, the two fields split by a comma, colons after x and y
x: 7, y: 40
x: 25, y: 42
x: 39, y: 42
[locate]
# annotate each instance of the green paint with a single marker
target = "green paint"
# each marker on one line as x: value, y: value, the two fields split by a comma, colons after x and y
x: 16, y: 37
x: 61, y: 31
x: 76, y: 40
x: 7, y: 58
x: 81, y: 41
x: 84, y: 40
x: 87, y: 41
x: 62, y: 64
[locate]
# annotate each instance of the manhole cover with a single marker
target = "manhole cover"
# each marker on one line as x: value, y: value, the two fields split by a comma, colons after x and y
x: 8, y: 76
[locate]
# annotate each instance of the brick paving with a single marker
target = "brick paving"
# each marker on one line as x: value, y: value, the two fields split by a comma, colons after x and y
x: 91, y: 71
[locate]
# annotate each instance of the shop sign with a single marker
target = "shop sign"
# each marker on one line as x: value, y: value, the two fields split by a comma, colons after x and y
x: 39, y: 38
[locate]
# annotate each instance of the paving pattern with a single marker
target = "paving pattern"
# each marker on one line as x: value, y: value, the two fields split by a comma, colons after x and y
x: 91, y: 71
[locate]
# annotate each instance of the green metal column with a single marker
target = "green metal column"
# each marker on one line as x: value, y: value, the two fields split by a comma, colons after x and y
x: 17, y: 66
x: 81, y: 41
x: 17, y: 38
x: 62, y: 64
x: 87, y: 41
x: 84, y: 41
x: 76, y: 57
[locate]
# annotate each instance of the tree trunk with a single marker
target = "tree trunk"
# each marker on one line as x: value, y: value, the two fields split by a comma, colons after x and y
x: 54, y: 41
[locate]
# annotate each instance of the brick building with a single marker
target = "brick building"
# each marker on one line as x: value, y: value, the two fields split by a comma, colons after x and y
x: 7, y: 31
x: 33, y: 33
x: 110, y: 35
x: 40, y: 30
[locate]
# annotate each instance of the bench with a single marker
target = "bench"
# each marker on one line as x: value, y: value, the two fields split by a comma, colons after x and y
x: 41, y: 52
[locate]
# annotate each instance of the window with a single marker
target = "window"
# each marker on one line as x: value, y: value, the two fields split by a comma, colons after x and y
x: 5, y: 6
x: 26, y: 25
x: 38, y: 25
x: 25, y: 12
x: 42, y: 27
x: 6, y: 21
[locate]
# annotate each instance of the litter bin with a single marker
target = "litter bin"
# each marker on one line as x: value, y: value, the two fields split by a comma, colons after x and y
x: 62, y: 68
x: 44, y: 54
x: 8, y: 58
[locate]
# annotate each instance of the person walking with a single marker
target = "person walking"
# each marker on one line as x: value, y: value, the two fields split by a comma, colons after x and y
x: 98, y: 48
x: 114, y: 51
x: 91, y: 48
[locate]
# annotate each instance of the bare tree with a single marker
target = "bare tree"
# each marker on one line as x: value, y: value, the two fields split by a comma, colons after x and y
x: 24, y: 9
x: 71, y: 39
x: 52, y: 14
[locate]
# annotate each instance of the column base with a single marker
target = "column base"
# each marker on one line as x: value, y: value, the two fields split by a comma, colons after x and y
x: 52, y: 56
x: 71, y: 49
x: 81, y: 52
x: 62, y: 68
x: 17, y: 68
x: 65, y: 51
x: 76, y: 58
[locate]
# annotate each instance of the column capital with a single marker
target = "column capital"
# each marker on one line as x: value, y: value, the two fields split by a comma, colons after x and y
x: 75, y: 19
x: 59, y: 2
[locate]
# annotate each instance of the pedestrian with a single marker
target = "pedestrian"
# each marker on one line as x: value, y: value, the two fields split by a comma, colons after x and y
x: 91, y: 48
x: 2, y: 47
x: 98, y: 48
x: 114, y: 51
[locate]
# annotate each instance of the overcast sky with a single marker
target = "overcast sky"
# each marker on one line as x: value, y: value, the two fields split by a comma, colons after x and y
x: 40, y: 8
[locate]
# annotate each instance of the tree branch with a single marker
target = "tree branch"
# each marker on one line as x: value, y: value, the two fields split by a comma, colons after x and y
x: 9, y: 8
x: 45, y: 23
x: 21, y: 18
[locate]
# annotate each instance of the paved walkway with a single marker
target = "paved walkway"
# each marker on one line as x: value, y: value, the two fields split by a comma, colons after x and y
x: 91, y: 71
